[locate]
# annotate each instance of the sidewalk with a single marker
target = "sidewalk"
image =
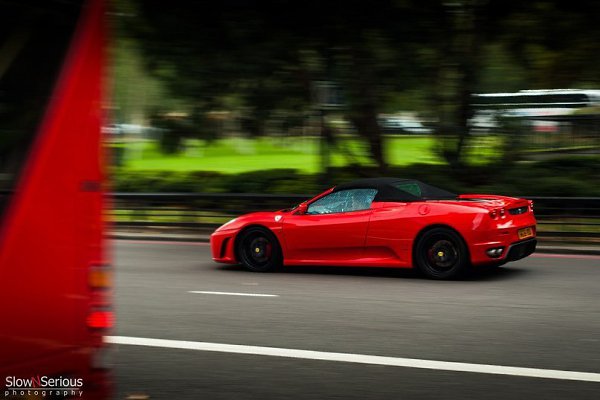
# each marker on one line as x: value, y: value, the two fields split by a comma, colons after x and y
x: 544, y: 246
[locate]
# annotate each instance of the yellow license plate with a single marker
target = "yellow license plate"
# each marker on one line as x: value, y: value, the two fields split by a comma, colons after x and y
x: 525, y: 233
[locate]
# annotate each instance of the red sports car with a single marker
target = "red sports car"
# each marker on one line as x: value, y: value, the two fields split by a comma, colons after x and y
x: 383, y: 222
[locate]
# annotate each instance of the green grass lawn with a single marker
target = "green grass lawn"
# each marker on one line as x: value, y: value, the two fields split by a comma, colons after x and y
x: 234, y: 155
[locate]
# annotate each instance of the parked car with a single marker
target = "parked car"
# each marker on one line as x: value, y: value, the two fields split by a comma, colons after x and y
x: 395, y: 125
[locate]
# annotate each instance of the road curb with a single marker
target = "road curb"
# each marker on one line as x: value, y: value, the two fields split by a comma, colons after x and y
x: 592, y: 251
x: 160, y: 237
x: 548, y: 249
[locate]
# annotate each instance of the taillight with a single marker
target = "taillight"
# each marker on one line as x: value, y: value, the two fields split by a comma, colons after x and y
x: 497, y: 213
x: 531, y: 205
x: 100, y: 277
x: 101, y: 320
x: 100, y: 280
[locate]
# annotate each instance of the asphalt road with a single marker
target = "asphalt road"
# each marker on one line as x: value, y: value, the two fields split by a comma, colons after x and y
x: 542, y: 313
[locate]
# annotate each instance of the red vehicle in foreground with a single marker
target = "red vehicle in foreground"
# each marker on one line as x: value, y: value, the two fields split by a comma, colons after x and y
x: 55, y: 300
x: 383, y: 222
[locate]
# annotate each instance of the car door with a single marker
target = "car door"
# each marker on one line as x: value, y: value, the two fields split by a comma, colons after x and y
x: 333, y: 228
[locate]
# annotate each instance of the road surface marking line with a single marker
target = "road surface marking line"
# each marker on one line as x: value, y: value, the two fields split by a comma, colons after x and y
x: 234, y: 293
x: 357, y: 358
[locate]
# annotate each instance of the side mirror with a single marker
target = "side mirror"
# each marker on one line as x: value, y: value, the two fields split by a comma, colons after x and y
x: 301, y: 209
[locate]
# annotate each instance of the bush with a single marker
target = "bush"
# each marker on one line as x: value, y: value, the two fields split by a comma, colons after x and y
x: 563, y: 177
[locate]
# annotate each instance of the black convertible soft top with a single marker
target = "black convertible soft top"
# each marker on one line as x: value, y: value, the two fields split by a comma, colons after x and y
x: 398, y: 189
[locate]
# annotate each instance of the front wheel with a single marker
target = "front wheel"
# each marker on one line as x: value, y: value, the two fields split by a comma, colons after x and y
x: 441, y: 254
x: 258, y: 250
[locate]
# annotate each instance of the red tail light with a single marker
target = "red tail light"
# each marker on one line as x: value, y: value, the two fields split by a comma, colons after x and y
x: 100, y: 280
x: 497, y: 213
x: 101, y: 320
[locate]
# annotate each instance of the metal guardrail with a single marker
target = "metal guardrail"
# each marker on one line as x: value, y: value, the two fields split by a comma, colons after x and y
x: 574, y: 217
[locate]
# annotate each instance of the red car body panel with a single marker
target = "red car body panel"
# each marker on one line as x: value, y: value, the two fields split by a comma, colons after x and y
x: 52, y: 233
x: 384, y: 235
x: 325, y: 238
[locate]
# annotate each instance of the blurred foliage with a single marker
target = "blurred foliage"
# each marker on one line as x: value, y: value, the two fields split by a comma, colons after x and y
x: 558, y: 177
x: 269, y: 181
x: 262, y: 58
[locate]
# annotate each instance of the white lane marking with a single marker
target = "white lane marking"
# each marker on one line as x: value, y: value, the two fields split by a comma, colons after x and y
x: 357, y: 358
x: 235, y: 294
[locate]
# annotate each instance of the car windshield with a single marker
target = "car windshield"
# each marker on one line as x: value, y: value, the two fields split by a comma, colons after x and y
x: 343, y: 201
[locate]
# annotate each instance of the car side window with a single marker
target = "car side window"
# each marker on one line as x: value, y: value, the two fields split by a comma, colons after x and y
x: 343, y: 201
x: 409, y: 187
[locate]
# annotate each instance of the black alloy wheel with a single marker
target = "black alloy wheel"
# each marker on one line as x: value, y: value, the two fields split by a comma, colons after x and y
x: 258, y: 250
x: 441, y: 254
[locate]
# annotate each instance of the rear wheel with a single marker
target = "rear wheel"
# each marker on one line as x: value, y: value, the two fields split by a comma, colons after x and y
x: 258, y: 250
x: 441, y: 254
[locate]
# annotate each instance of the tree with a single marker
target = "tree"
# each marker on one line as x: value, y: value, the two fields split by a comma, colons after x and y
x: 268, y: 53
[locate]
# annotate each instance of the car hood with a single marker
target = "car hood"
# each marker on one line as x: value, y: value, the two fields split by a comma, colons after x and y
x: 263, y: 217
